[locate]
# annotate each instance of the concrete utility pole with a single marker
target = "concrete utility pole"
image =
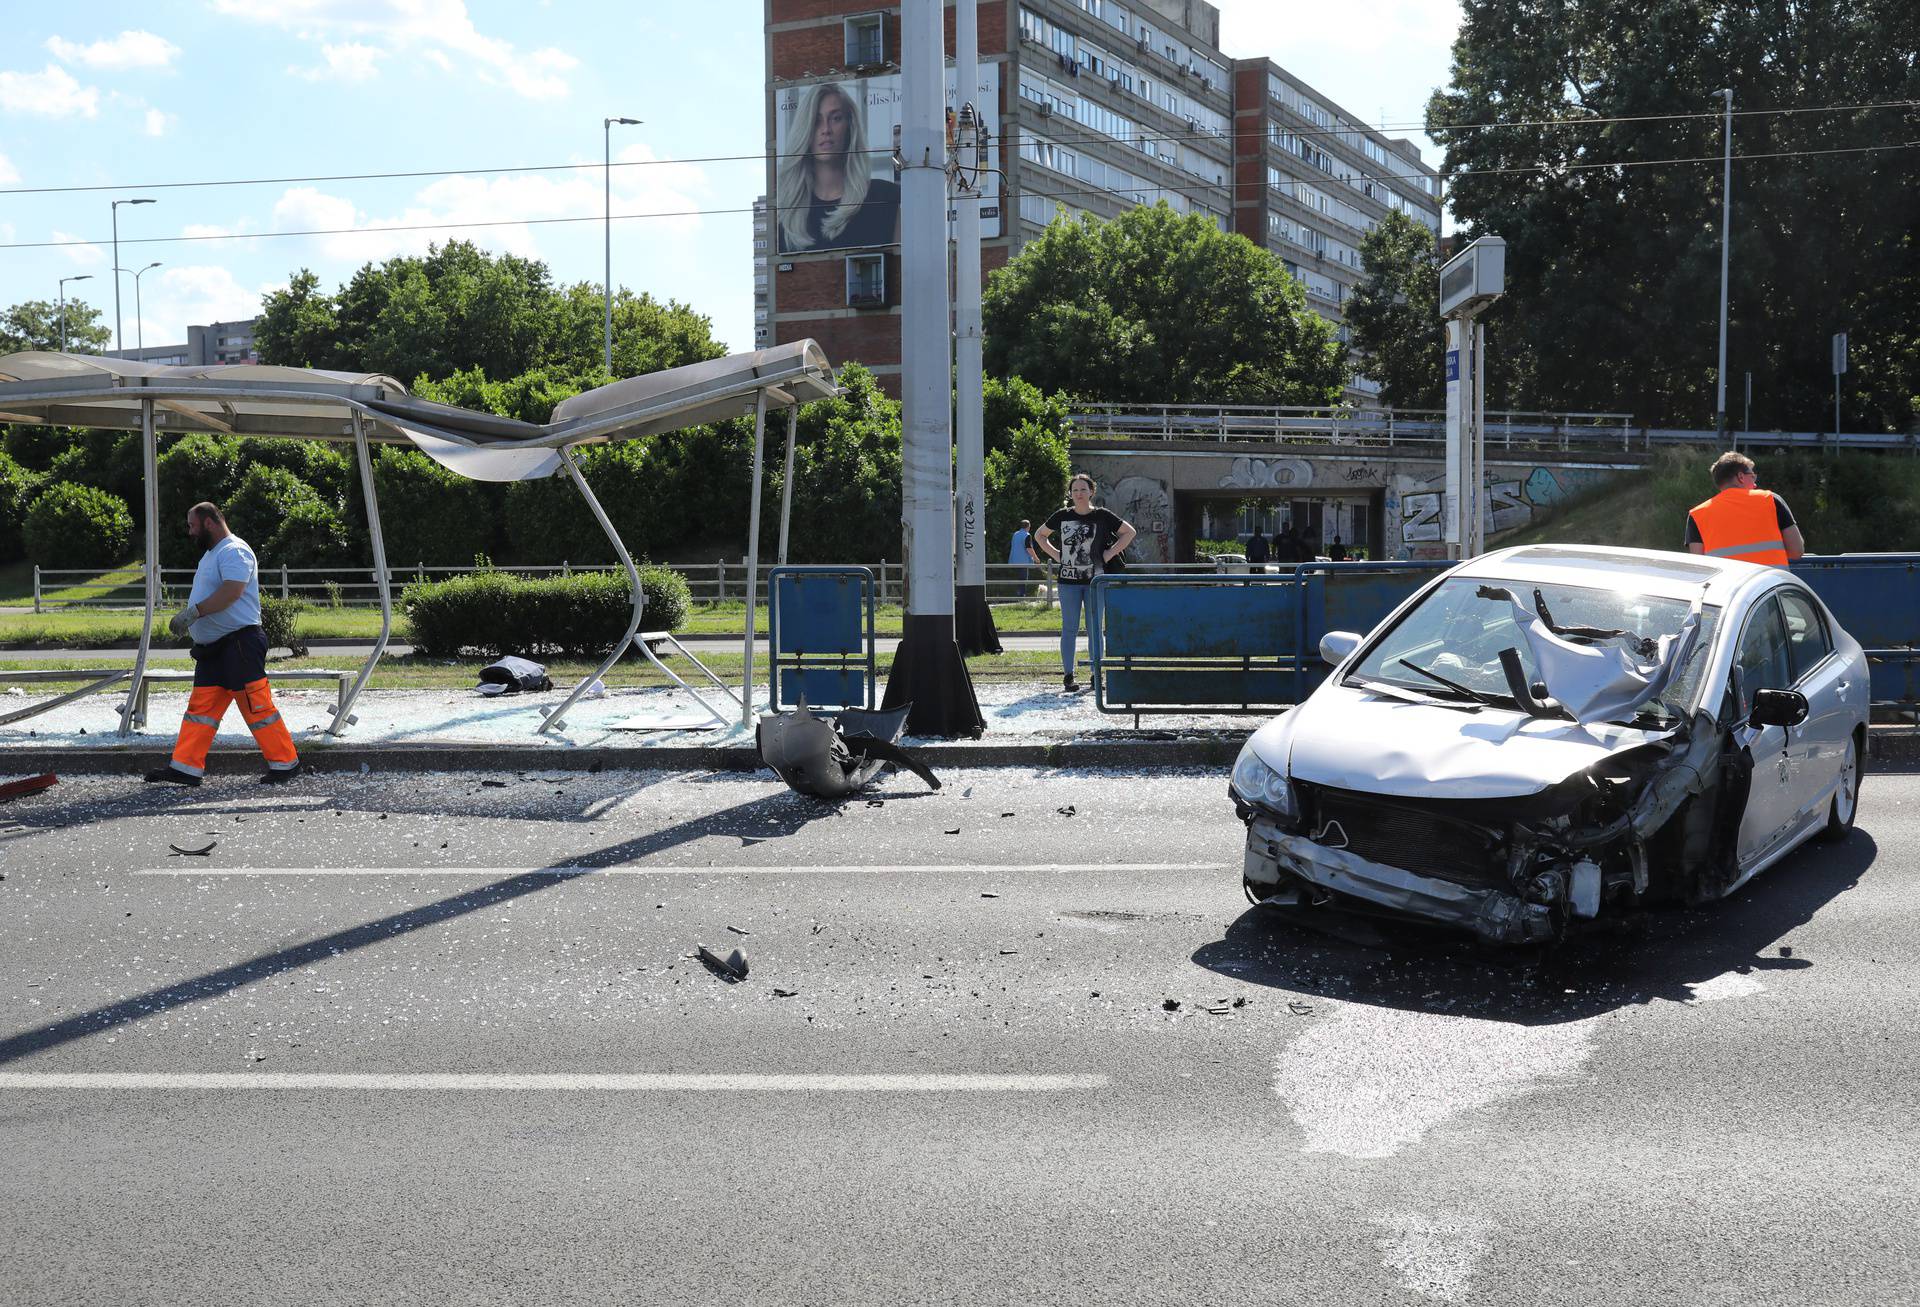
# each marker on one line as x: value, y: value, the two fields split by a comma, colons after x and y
x: 973, y: 619
x: 928, y: 672
x: 1470, y: 283
x: 1726, y: 222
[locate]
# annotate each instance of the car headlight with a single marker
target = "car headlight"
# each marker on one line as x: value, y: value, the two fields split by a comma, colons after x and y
x: 1257, y: 783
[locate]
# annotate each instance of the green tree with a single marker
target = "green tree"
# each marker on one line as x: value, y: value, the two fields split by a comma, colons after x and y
x: 1157, y: 307
x: 35, y: 325
x: 300, y: 326
x: 1613, y: 259
x: 1026, y: 479
x: 1393, y: 313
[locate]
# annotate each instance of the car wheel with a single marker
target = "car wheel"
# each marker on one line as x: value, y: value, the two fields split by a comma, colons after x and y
x: 1846, y: 795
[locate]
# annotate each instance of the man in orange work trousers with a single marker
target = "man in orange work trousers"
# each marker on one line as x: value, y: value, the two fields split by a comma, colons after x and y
x: 1741, y: 520
x: 229, y: 656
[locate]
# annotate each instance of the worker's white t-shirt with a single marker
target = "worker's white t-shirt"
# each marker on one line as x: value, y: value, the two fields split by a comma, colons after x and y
x: 230, y: 560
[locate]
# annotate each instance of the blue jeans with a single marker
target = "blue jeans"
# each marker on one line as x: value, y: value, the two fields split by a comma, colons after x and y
x: 1073, y: 600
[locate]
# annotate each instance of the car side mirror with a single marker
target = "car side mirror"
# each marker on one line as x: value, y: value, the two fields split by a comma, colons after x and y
x: 1778, y: 708
x: 1336, y: 645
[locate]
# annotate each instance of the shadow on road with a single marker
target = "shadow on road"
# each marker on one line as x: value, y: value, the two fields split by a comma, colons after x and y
x: 1632, y: 959
x: 762, y: 818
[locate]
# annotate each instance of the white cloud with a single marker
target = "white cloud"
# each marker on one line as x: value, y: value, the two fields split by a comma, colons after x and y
x: 8, y: 173
x: 514, y: 199
x: 351, y: 62
x: 52, y: 93
x: 216, y: 229
x: 436, y: 29
x: 82, y: 255
x: 127, y: 50
x: 156, y: 122
x: 173, y: 298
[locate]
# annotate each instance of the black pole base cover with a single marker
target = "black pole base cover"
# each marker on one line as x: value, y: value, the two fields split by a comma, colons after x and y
x: 973, y: 627
x: 929, y: 674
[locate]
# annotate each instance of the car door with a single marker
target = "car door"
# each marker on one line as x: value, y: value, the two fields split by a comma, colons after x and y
x: 1763, y: 662
x: 1816, y: 747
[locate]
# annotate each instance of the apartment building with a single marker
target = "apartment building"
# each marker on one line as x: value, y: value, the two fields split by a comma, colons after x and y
x: 214, y: 342
x: 1311, y: 180
x: 1098, y: 106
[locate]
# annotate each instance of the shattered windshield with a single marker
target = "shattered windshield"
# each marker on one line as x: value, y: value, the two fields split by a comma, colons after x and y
x: 1450, y: 646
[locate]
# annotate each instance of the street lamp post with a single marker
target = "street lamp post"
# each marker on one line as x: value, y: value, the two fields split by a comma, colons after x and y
x: 606, y: 134
x: 85, y: 276
x: 117, y: 342
x: 1726, y: 219
x: 140, y: 322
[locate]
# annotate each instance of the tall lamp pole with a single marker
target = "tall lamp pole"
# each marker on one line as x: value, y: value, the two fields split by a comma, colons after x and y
x: 606, y: 135
x: 85, y: 276
x: 139, y: 321
x: 1726, y: 221
x: 118, y: 344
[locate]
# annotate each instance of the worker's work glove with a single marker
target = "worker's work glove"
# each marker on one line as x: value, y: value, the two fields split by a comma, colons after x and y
x: 183, y: 619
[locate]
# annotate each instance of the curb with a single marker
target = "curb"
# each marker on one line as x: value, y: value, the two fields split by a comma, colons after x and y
x: 1136, y: 755
x: 1888, y: 749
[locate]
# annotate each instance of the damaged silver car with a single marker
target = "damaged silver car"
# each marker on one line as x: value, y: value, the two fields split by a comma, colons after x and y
x: 1554, y: 732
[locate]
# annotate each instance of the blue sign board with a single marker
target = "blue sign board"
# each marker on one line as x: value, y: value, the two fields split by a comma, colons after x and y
x: 1453, y: 365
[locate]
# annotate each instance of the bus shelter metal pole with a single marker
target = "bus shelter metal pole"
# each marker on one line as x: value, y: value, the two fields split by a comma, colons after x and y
x: 343, y: 715
x: 753, y: 556
x: 786, y: 481
x: 556, y: 719
x: 150, y: 486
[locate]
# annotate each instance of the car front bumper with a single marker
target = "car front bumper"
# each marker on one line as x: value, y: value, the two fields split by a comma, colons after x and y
x: 1276, y: 859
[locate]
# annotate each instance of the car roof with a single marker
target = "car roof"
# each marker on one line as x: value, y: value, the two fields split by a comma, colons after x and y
x: 1657, y: 572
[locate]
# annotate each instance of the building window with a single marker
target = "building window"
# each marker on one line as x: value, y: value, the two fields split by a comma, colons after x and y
x: 866, y: 281
x: 866, y: 40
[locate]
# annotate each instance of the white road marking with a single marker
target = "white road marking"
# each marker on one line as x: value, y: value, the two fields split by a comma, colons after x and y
x: 1368, y: 1081
x: 996, y: 869
x: 1729, y: 985
x: 588, y: 1082
x: 1433, y: 1258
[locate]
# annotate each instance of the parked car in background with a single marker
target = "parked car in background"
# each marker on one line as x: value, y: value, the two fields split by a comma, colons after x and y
x: 1554, y: 732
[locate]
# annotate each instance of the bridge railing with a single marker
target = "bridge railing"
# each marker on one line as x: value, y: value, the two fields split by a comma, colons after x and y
x: 1420, y: 428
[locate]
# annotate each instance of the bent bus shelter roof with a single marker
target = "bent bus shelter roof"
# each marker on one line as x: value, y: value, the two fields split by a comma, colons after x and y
x: 247, y: 399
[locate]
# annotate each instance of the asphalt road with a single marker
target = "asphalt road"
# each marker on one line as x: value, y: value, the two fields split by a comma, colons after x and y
x: 442, y: 1059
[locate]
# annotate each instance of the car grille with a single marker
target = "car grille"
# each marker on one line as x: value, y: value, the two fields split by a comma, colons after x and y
x: 1410, y: 838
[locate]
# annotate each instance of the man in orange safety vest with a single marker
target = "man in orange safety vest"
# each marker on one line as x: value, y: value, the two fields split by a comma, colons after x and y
x: 1741, y: 520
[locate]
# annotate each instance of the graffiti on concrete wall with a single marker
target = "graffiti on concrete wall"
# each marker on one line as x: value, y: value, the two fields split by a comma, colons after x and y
x: 1267, y: 474
x: 1510, y: 502
x: 1146, y: 503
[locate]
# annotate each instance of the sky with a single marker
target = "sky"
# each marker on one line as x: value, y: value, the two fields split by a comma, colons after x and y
x: 128, y: 95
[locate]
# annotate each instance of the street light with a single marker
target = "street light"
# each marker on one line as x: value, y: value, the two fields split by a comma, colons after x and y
x: 1726, y: 217
x: 606, y: 132
x: 139, y: 322
x: 117, y: 342
x: 85, y: 276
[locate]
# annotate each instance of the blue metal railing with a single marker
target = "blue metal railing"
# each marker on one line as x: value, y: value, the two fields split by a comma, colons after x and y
x: 819, y: 647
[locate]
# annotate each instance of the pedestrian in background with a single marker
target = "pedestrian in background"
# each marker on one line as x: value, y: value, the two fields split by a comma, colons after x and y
x: 1020, y: 554
x: 229, y: 656
x: 1091, y: 542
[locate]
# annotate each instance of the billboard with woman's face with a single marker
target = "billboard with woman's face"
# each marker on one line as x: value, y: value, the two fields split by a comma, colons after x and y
x: 835, y: 186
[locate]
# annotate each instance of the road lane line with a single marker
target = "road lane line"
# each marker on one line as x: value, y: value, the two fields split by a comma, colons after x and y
x: 668, y: 1082
x: 564, y: 869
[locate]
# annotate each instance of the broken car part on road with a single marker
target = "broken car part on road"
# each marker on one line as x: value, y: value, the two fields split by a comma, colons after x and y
x: 1478, y: 764
x: 833, y: 757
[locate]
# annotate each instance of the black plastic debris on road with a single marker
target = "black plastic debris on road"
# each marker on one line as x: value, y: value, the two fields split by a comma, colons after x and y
x: 732, y: 968
x: 200, y: 852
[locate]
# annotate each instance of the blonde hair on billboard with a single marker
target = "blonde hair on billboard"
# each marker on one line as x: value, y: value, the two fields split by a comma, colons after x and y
x: 795, y: 193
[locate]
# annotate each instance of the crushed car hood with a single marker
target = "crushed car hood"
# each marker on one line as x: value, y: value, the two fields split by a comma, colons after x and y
x: 1356, y: 739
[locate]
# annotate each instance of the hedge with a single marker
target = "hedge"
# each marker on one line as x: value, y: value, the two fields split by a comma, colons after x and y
x: 70, y: 525
x: 265, y: 498
x: 496, y: 613
x: 431, y: 515
x: 194, y: 469
x: 279, y: 618
x: 18, y: 487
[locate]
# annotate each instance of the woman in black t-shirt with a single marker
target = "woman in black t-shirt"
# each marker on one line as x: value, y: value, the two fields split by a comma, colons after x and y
x: 1091, y: 541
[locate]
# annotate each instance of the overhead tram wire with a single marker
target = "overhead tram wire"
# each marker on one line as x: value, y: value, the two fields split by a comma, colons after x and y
x: 1126, y: 194
x: 1316, y: 133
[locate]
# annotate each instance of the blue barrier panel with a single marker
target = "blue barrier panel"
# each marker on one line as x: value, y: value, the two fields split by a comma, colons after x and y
x: 1892, y: 675
x: 1225, y: 643
x: 1350, y: 597
x: 1875, y: 597
x: 821, y: 637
